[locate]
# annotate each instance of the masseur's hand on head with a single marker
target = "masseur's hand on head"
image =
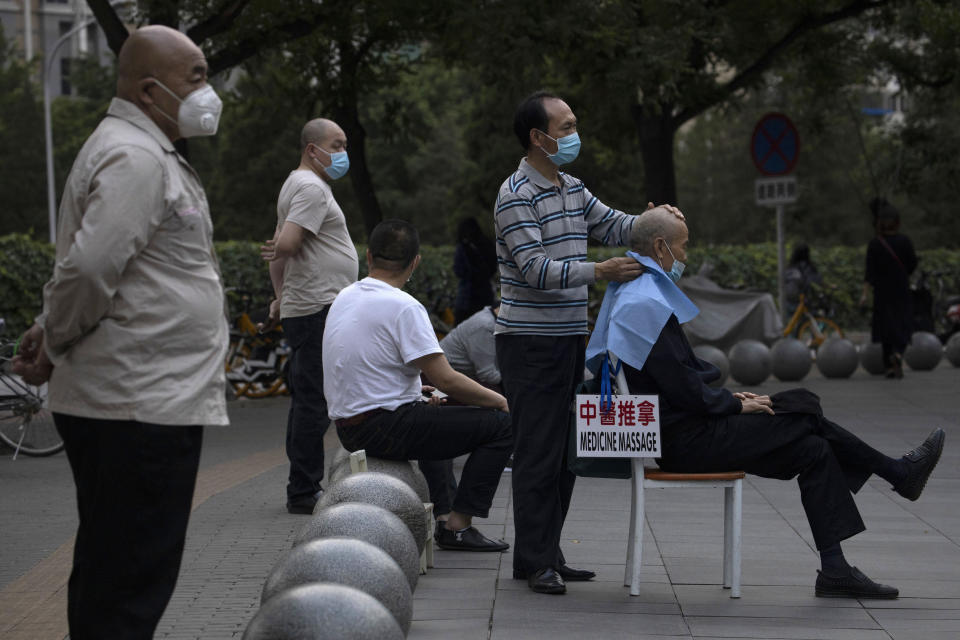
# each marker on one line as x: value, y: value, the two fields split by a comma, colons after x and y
x: 669, y: 207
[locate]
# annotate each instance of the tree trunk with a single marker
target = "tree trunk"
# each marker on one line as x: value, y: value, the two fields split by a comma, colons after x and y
x: 657, y: 132
x: 359, y: 171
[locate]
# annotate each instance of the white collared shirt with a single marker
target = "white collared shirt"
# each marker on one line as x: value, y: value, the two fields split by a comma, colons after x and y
x: 133, y: 315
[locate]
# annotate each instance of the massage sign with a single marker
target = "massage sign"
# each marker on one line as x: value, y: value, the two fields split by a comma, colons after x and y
x: 620, y: 426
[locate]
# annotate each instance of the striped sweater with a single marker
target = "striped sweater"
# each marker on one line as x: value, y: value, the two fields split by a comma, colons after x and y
x: 542, y: 235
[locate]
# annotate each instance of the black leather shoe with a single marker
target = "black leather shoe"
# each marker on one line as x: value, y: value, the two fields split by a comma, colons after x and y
x: 302, y: 505
x: 920, y: 464
x: 547, y: 580
x: 467, y: 540
x: 853, y: 584
x: 569, y: 574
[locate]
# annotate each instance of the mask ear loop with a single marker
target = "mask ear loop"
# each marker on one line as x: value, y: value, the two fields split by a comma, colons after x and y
x: 545, y: 152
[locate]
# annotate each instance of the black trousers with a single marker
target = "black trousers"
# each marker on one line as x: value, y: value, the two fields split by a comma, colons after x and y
x: 423, y: 432
x: 135, y: 485
x: 307, y: 420
x: 442, y: 483
x: 828, y: 461
x: 540, y: 375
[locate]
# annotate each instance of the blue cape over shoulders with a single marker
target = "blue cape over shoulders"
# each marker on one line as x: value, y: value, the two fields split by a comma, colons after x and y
x: 634, y: 313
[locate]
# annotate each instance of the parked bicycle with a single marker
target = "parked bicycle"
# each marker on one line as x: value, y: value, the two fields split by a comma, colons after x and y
x: 26, y: 426
x: 812, y: 327
x: 256, y: 362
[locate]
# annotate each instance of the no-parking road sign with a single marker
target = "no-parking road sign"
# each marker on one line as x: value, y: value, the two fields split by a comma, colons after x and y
x: 775, y: 145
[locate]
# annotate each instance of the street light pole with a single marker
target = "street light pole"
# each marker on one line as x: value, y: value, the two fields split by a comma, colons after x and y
x: 48, y: 127
x: 47, y: 121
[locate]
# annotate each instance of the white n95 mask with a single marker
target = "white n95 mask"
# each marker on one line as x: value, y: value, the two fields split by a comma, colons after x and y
x: 199, y: 113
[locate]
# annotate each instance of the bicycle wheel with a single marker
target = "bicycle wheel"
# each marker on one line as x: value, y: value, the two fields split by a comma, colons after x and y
x: 29, y: 430
x: 270, y: 383
x: 827, y: 327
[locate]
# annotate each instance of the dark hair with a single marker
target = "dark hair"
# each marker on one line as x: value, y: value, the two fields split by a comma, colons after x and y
x: 801, y: 253
x: 393, y: 244
x: 468, y: 230
x: 531, y: 114
x: 886, y: 217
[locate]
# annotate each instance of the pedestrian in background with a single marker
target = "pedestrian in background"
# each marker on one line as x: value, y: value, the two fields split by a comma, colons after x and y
x: 133, y: 336
x: 890, y: 261
x: 474, y: 263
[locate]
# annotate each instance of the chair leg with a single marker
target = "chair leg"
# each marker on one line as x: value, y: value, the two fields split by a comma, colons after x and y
x: 630, y: 536
x: 636, y: 528
x: 727, y: 536
x: 737, y: 522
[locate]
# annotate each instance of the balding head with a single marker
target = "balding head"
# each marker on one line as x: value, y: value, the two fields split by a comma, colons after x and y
x: 320, y: 138
x: 152, y: 52
x: 316, y: 132
x: 157, y: 53
x: 653, y: 224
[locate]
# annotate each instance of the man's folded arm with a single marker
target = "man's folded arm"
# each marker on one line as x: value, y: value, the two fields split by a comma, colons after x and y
x: 115, y: 227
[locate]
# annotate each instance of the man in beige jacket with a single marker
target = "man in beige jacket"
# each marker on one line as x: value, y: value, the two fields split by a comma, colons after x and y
x: 133, y: 336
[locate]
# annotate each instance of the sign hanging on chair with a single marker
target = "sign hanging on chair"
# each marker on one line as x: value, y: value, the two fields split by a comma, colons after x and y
x: 626, y: 426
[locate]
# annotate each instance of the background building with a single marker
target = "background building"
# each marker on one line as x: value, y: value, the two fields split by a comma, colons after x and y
x: 33, y: 27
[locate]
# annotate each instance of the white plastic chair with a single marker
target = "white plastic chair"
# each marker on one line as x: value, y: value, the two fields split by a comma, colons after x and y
x: 650, y: 478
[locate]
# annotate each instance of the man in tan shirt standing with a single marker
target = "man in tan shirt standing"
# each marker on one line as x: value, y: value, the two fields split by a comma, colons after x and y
x: 133, y: 336
x: 311, y: 259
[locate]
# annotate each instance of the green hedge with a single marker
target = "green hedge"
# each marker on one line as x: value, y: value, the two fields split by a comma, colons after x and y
x: 26, y: 264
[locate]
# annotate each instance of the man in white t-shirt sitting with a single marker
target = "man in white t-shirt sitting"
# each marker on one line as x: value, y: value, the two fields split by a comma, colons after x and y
x: 378, y: 339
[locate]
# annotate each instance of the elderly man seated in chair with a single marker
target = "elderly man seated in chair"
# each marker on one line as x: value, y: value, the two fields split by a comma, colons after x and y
x: 705, y: 429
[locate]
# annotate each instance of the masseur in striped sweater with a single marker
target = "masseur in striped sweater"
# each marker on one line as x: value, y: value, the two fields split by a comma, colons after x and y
x: 543, y: 217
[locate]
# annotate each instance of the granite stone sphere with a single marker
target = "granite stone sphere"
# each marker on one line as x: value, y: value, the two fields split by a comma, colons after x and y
x: 346, y: 561
x: 323, y: 611
x: 953, y: 350
x: 924, y: 351
x: 384, y: 491
x: 401, y: 469
x: 715, y: 357
x: 791, y: 359
x: 871, y: 358
x: 837, y: 358
x: 371, y: 524
x: 750, y: 362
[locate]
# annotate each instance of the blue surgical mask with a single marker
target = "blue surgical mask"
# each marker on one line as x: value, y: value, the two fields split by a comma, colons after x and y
x: 677, y: 269
x: 339, y: 164
x: 568, y: 148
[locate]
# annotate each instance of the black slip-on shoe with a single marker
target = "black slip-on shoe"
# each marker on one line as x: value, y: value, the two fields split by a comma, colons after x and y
x: 569, y: 574
x: 302, y: 505
x: 467, y: 540
x: 547, y: 580
x: 853, y: 584
x: 920, y: 464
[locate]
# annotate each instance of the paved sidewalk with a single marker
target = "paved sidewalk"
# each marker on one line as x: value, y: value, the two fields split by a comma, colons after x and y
x: 240, y: 527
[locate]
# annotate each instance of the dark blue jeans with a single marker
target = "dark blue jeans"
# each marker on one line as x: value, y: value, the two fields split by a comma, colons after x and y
x: 418, y: 431
x: 307, y: 420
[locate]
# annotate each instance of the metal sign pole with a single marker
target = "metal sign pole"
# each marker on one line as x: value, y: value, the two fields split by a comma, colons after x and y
x: 780, y: 265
